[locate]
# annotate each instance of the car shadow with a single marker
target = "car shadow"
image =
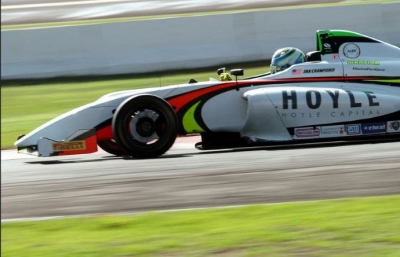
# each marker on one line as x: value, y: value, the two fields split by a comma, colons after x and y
x: 275, y: 147
x: 103, y: 158
x: 300, y: 145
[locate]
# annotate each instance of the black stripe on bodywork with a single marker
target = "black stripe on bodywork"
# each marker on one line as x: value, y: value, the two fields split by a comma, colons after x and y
x: 259, y: 83
x: 85, y: 135
x: 104, y: 124
x: 255, y: 83
x: 204, y: 99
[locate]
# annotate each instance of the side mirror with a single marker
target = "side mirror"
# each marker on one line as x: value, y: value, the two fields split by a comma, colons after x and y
x: 237, y: 72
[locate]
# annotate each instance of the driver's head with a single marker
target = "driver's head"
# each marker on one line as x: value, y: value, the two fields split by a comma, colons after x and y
x: 285, y: 57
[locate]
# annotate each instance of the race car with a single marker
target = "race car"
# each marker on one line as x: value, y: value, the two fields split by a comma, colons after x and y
x: 349, y: 88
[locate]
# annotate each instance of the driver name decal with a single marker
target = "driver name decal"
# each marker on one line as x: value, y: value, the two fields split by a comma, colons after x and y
x: 319, y: 70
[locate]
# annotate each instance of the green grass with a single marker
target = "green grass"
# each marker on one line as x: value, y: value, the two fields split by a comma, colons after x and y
x: 347, y: 227
x: 28, y: 104
x: 138, y: 18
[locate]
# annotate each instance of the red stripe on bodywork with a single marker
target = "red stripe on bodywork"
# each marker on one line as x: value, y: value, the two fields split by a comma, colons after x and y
x: 181, y: 100
x: 105, y: 133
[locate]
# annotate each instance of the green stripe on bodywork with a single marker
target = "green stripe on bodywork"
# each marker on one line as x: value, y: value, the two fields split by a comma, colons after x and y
x: 397, y: 81
x: 336, y: 33
x: 344, y: 33
x: 189, y: 121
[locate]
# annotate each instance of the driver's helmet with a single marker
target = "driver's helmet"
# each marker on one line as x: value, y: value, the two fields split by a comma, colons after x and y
x: 285, y: 57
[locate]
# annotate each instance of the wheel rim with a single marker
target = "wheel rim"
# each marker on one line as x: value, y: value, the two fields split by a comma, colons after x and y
x: 146, y: 126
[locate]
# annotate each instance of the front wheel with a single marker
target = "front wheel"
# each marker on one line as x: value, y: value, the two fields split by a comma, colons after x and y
x: 145, y: 126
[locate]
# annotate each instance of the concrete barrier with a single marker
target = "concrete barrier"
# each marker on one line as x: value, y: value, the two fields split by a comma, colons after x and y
x: 181, y: 43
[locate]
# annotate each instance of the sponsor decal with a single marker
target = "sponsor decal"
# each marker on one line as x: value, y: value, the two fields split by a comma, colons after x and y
x: 327, y: 46
x: 353, y: 129
x: 393, y: 126
x: 319, y: 70
x: 335, y: 57
x: 332, y: 131
x: 296, y: 71
x: 351, y: 51
x: 331, y: 100
x: 367, y: 69
x: 338, y: 114
x: 363, y: 63
x: 69, y: 146
x: 307, y: 132
x: 373, y: 128
x: 314, y: 99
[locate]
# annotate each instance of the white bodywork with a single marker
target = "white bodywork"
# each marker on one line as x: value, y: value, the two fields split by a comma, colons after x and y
x: 315, y: 99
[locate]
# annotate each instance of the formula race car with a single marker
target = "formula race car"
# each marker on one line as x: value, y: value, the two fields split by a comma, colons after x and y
x: 349, y: 88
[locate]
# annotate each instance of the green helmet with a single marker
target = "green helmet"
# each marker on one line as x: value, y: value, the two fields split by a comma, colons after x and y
x: 285, y: 57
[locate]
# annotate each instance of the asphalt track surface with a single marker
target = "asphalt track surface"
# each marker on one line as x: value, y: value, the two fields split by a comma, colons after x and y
x: 188, y: 178
x: 184, y: 177
x: 39, y: 11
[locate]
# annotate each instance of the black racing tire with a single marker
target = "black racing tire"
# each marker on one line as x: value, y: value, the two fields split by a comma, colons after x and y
x: 164, y: 127
x: 111, y: 147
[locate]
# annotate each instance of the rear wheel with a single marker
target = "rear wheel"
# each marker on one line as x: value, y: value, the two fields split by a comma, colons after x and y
x: 144, y: 126
x: 111, y: 147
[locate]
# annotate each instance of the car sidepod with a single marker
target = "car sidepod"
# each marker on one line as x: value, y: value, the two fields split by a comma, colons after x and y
x: 314, y: 112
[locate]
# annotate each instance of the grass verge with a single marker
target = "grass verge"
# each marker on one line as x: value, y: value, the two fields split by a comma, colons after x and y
x: 357, y: 226
x: 27, y: 104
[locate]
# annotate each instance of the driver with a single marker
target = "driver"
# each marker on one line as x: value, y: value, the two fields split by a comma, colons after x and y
x: 224, y: 76
x: 285, y: 57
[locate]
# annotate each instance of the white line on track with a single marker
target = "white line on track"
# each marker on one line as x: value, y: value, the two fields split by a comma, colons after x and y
x: 161, y: 211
